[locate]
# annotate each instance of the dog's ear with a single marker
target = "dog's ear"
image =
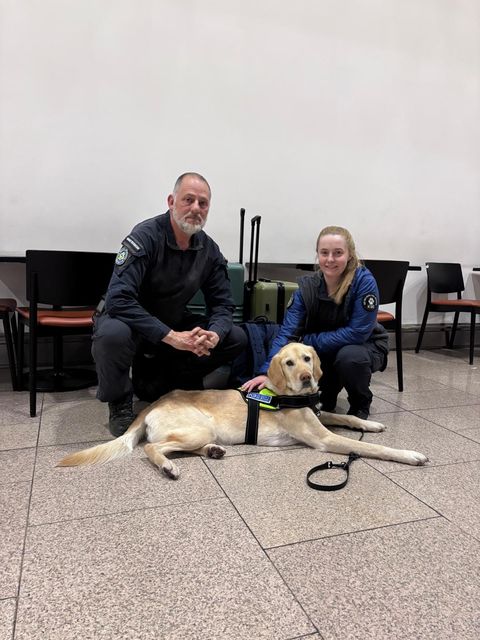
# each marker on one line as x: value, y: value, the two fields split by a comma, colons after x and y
x: 275, y: 373
x: 317, y: 371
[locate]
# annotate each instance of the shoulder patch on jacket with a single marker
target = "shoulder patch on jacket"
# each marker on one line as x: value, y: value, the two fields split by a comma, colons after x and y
x: 370, y: 302
x: 130, y: 249
x: 133, y: 245
x: 122, y: 256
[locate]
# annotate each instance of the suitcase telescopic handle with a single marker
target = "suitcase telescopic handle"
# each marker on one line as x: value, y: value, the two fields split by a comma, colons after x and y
x: 242, y: 232
x: 254, y: 241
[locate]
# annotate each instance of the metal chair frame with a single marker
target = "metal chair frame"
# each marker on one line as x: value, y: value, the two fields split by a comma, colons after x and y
x: 7, y: 314
x: 71, y: 283
x: 390, y: 276
x: 445, y: 278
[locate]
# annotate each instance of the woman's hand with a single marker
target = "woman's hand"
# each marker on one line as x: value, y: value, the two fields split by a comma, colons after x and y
x: 258, y: 382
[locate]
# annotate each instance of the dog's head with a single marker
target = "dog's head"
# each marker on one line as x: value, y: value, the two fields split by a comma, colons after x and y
x: 295, y: 370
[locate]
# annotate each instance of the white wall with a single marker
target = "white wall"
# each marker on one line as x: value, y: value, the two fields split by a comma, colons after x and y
x: 364, y: 113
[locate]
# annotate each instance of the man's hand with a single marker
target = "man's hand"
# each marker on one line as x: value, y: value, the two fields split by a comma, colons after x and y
x: 199, y: 341
x: 205, y: 341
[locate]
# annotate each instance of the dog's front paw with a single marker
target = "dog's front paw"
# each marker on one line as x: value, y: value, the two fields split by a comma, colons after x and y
x: 374, y: 427
x: 170, y: 469
x: 416, y: 458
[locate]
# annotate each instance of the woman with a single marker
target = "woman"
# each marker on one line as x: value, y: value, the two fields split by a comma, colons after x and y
x: 335, y: 311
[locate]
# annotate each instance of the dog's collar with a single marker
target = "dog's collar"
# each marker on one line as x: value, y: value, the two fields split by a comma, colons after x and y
x: 267, y: 399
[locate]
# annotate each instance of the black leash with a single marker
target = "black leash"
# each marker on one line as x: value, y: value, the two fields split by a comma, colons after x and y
x: 332, y: 465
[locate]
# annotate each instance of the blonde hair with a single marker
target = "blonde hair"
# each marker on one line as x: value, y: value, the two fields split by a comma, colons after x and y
x: 352, y: 264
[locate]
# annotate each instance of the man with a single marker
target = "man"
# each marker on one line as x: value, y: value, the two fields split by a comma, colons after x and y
x: 161, y: 264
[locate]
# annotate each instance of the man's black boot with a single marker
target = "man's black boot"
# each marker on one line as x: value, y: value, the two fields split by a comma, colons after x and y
x: 121, y: 415
x: 359, y: 413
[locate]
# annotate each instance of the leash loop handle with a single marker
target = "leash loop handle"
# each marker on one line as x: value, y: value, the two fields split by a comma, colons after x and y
x: 345, y: 466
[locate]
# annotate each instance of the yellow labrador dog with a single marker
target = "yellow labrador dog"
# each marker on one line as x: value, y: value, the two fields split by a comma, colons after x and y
x: 200, y: 421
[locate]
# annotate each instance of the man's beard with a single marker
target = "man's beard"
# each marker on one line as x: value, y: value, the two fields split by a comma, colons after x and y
x: 187, y: 227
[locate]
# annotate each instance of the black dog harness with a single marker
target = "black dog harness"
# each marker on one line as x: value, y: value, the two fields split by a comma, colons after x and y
x: 254, y: 401
x: 257, y: 400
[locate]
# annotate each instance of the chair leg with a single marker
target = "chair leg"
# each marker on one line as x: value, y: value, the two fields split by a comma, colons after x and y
x: 422, y: 329
x: 14, y: 331
x: 13, y: 325
x: 57, y: 361
x: 10, y: 350
x: 32, y: 363
x: 20, y: 354
x: 398, y: 347
x: 454, y: 329
x: 472, y: 336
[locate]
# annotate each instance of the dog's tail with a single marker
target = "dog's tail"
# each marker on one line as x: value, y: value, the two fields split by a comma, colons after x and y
x: 117, y: 448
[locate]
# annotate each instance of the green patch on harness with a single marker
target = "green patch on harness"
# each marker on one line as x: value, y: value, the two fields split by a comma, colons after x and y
x: 264, y: 398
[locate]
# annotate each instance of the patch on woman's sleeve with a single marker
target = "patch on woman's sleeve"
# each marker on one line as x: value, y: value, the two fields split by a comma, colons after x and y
x: 370, y: 302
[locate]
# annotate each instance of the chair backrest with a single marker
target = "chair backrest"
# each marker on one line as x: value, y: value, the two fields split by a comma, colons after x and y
x: 445, y: 277
x: 390, y: 276
x: 68, y: 278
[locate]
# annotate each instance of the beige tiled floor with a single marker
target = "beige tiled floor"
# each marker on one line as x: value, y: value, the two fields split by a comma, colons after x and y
x: 241, y: 548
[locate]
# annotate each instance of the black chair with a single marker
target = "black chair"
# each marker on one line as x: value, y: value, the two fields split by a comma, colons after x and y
x: 7, y: 314
x: 390, y: 276
x: 444, y: 278
x: 72, y: 283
